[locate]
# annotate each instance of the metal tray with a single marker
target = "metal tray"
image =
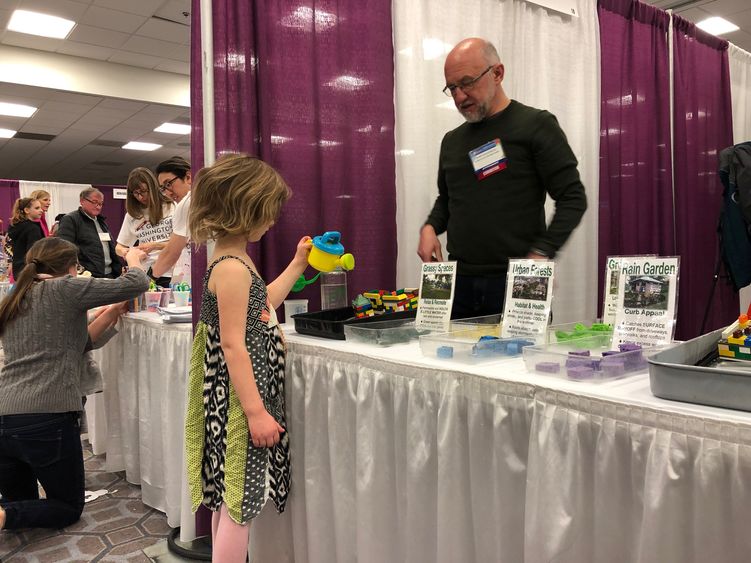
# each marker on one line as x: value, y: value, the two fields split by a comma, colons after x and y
x: 674, y: 375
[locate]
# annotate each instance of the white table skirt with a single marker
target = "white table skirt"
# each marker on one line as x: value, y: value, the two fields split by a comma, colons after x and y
x: 142, y: 408
x: 406, y: 459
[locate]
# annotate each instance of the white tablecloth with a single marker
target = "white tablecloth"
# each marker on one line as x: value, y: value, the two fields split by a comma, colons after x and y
x: 400, y: 458
x: 138, y: 420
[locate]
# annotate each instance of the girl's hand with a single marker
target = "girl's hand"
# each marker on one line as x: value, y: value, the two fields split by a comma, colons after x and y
x: 134, y: 256
x: 265, y: 431
x: 303, y: 249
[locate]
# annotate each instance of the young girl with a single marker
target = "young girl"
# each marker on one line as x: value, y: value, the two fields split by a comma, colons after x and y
x: 24, y: 230
x: 45, y: 337
x: 46, y: 200
x: 237, y: 447
x: 148, y: 219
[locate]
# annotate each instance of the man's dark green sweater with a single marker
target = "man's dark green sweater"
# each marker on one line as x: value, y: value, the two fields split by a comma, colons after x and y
x: 503, y: 216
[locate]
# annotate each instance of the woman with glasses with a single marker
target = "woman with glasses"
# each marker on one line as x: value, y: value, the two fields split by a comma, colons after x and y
x: 148, y: 221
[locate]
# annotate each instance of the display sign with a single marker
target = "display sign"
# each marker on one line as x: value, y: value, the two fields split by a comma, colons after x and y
x: 529, y: 296
x: 119, y: 193
x: 437, y: 281
x: 647, y: 297
x: 612, y: 285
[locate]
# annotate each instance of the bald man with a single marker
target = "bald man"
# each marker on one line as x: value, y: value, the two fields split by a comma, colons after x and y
x: 494, y: 172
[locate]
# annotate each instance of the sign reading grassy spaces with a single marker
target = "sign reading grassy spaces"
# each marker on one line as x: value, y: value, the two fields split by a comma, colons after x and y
x: 436, y: 295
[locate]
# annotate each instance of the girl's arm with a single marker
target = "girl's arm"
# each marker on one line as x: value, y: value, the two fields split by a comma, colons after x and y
x: 279, y: 288
x: 105, y: 319
x: 231, y: 284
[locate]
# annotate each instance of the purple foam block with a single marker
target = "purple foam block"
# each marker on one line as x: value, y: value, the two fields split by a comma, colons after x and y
x: 579, y: 353
x: 548, y: 367
x: 579, y: 372
x: 612, y: 367
x: 610, y: 353
x: 628, y: 347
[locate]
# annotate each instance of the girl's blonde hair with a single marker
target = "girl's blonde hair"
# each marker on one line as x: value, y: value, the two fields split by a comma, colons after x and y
x: 53, y: 256
x: 40, y: 194
x: 137, y: 178
x: 19, y: 209
x: 234, y: 196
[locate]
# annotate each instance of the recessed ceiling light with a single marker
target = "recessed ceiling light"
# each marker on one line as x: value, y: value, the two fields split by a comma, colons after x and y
x: 174, y: 128
x: 16, y: 110
x: 136, y: 146
x: 35, y: 23
x: 7, y: 133
x: 717, y: 26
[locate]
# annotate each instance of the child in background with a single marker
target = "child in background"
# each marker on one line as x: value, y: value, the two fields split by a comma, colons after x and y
x: 237, y: 447
x: 24, y: 230
x: 46, y: 200
x: 42, y: 384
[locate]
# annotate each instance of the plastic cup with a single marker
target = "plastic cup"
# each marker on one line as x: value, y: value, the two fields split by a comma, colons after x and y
x: 152, y: 300
x: 181, y: 298
x: 294, y: 307
x: 164, y: 301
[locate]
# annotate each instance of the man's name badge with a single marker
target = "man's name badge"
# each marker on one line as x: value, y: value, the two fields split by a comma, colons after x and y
x: 488, y: 159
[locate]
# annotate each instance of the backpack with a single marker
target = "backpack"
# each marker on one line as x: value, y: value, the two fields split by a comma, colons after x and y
x: 735, y: 218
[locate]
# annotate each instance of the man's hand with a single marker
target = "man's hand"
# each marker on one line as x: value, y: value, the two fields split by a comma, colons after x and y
x: 429, y: 249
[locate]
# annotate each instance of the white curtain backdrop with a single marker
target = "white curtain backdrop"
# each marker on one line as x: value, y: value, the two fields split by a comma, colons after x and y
x: 64, y: 196
x: 740, y: 93
x: 551, y: 61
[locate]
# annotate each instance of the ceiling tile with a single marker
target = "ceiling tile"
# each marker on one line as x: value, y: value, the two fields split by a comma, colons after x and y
x: 176, y: 11
x: 32, y: 41
x: 742, y: 20
x: 125, y: 105
x: 693, y: 14
x: 164, y: 30
x: 134, y: 59
x: 61, y: 8
x: 46, y: 129
x: 112, y: 19
x: 140, y: 7
x: 725, y: 7
x: 179, y: 53
x: 75, y: 98
x: 98, y: 36
x: 148, y: 46
x: 83, y: 50
x: 177, y: 67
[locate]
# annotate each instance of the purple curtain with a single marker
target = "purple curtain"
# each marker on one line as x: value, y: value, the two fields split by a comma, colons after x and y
x: 702, y: 128
x: 636, y: 192
x: 113, y: 210
x: 308, y: 87
x: 9, y: 193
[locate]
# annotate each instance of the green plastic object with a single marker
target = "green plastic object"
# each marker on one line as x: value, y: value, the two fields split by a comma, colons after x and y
x: 301, y: 282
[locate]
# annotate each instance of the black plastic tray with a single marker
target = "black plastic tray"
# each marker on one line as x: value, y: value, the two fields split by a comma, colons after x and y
x: 330, y: 323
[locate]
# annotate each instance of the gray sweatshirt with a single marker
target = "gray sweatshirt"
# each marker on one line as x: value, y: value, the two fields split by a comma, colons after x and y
x: 44, y: 346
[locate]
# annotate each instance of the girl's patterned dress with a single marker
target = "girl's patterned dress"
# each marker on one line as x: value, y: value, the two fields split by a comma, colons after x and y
x: 223, y: 465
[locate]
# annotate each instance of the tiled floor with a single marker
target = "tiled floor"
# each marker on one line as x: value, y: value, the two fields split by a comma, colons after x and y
x: 113, y: 528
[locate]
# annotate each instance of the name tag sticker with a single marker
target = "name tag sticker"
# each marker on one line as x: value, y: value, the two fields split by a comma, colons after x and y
x: 488, y: 159
x: 105, y: 237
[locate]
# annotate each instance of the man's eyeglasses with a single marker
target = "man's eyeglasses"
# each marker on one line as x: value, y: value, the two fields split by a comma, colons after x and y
x: 168, y: 184
x: 466, y: 84
x: 95, y: 203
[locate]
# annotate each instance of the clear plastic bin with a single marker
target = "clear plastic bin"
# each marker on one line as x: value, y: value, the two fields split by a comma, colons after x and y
x: 385, y: 330
x: 481, y: 343
x: 582, y: 329
x: 585, y: 359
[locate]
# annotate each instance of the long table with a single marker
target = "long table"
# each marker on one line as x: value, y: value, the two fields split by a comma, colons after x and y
x: 401, y: 458
x: 138, y: 419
